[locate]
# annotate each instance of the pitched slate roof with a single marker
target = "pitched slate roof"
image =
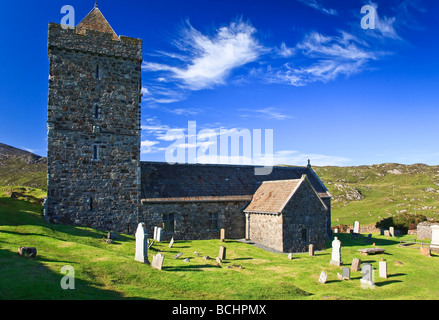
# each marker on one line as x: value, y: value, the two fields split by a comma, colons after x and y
x: 272, y: 196
x: 209, y: 182
x: 96, y: 21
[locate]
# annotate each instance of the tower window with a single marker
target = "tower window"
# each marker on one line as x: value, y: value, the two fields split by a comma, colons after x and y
x: 90, y: 202
x: 98, y: 76
x: 97, y: 111
x: 95, y: 152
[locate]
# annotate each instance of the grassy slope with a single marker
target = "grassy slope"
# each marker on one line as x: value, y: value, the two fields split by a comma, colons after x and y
x: 16, y: 171
x: 108, y: 271
x: 375, y: 183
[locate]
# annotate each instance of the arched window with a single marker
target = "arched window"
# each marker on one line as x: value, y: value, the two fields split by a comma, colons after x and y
x: 98, y: 75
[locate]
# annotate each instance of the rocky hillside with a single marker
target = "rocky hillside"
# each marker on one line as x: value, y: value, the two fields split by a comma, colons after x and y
x: 23, y: 168
x: 371, y: 193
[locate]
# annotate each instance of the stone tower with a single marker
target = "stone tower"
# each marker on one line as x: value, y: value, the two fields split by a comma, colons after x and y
x: 93, y: 126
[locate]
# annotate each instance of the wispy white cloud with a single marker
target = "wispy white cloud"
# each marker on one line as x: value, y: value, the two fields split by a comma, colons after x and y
x: 209, y: 60
x: 266, y: 113
x: 318, y: 6
x: 285, y: 51
x: 326, y: 58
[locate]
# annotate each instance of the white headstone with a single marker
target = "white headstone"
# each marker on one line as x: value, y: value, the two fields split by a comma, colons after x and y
x: 336, y: 252
x: 155, y: 233
x: 141, y: 244
x: 356, y: 227
x: 383, y: 269
x: 171, y: 243
x: 159, y: 234
x: 323, y: 277
x: 392, y: 231
x: 434, y: 236
x: 157, y: 261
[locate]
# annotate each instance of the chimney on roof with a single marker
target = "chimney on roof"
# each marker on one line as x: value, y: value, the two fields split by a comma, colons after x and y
x: 309, y: 164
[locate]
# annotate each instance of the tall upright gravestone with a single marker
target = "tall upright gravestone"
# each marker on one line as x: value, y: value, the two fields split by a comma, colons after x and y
x: 356, y: 227
x: 141, y: 244
x: 336, y: 252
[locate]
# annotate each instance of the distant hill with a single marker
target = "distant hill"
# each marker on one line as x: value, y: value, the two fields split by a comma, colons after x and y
x: 371, y: 193
x: 23, y: 168
x: 364, y: 193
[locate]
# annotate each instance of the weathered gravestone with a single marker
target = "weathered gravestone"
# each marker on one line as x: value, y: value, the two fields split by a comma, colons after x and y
x: 356, y: 227
x: 222, y: 253
x: 223, y: 235
x: 367, y: 280
x: 336, y: 252
x: 346, y: 273
x: 171, y: 243
x: 323, y: 277
x: 290, y: 256
x: 425, y: 251
x: 157, y: 261
x: 382, y: 269
x: 386, y: 233
x: 392, y: 231
x: 159, y: 234
x: 141, y: 244
x: 311, y: 250
x: 355, y: 264
x: 155, y: 233
x: 178, y: 255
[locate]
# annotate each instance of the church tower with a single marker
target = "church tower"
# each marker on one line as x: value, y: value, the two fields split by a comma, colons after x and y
x: 93, y: 125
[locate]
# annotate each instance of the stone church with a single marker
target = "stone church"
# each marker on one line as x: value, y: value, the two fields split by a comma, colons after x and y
x: 96, y: 178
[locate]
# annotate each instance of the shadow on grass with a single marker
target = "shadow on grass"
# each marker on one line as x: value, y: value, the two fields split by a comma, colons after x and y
x: 29, y: 279
x: 189, y: 267
x: 361, y: 240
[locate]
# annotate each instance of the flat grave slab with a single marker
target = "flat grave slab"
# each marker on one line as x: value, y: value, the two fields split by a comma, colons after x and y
x: 368, y: 251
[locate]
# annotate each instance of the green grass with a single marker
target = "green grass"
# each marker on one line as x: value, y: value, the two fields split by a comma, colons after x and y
x: 108, y: 271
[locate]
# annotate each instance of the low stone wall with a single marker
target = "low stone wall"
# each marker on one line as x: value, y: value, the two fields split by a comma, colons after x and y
x: 424, y: 230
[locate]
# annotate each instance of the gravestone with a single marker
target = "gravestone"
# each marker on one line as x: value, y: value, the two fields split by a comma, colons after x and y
x: 311, y: 250
x: 346, y: 273
x: 336, y: 252
x: 222, y: 253
x: 157, y: 261
x: 367, y: 280
x: 218, y: 260
x: 171, y: 243
x: 223, y: 235
x: 386, y: 233
x: 150, y: 245
x: 155, y: 233
x: 425, y: 251
x: 335, y: 230
x: 186, y: 260
x: 355, y: 264
x: 392, y: 231
x: 369, y: 238
x: 383, y: 269
x: 178, y: 255
x: 141, y: 244
x: 290, y: 256
x: 434, y: 237
x: 356, y: 227
x: 159, y: 234
x: 323, y: 277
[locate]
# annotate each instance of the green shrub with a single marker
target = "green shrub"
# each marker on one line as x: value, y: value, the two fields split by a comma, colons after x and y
x: 400, y: 221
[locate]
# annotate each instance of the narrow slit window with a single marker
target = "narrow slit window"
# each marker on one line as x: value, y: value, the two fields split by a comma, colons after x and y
x: 304, y: 235
x: 97, y: 111
x: 95, y: 152
x: 90, y: 202
x: 98, y: 73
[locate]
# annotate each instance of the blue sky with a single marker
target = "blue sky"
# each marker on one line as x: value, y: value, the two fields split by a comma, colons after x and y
x: 330, y: 90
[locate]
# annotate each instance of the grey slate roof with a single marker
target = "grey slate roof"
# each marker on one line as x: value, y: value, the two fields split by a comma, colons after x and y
x: 197, y: 182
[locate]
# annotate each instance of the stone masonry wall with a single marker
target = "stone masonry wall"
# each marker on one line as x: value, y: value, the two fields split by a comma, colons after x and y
x: 94, y: 100
x: 266, y: 229
x: 304, y: 211
x: 192, y: 219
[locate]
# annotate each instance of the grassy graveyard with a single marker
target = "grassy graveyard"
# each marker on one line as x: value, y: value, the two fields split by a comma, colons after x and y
x: 109, y: 271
